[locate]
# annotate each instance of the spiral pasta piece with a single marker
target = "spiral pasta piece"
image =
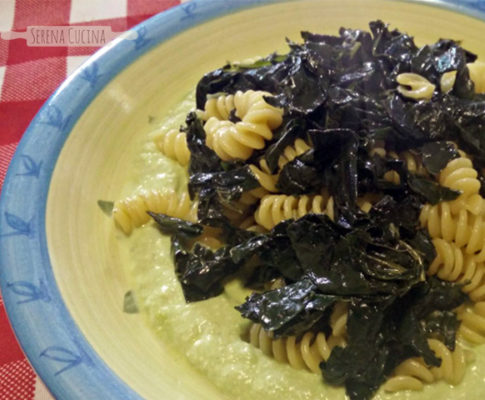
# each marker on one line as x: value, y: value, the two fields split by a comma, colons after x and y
x: 276, y: 208
x: 476, y: 241
x: 420, y: 87
x: 460, y: 175
x: 477, y: 75
x: 307, y: 351
x: 413, y: 163
x: 249, y: 224
x: 221, y: 106
x: 472, y: 326
x: 453, y: 363
x: 299, y: 147
x: 441, y: 223
x: 338, y: 319
x: 460, y: 246
x: 173, y: 144
x: 453, y: 264
x: 131, y: 212
x: 450, y: 262
x: 220, y: 137
x: 266, y: 180
x: 237, y: 213
x: 253, y: 196
x: 393, y: 177
x: 289, y: 154
x: 367, y: 201
x: 473, y: 278
x: 475, y: 204
x: 447, y: 81
x: 411, y: 373
x: 238, y: 140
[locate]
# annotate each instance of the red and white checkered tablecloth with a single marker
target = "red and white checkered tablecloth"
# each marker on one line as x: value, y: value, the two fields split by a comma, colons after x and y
x: 28, y: 75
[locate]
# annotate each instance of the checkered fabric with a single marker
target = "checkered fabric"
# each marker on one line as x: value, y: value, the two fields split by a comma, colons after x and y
x: 28, y: 75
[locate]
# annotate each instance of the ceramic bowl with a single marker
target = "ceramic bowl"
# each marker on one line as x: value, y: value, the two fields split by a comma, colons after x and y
x: 61, y: 271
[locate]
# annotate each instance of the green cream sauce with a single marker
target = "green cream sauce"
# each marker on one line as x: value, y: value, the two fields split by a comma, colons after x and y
x: 209, y: 333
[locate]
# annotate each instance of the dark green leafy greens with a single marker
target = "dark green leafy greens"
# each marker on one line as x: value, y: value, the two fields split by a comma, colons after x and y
x: 202, y: 271
x: 383, y: 333
x: 339, y: 95
x: 176, y: 226
x: 106, y: 206
x: 290, y: 310
x: 129, y: 303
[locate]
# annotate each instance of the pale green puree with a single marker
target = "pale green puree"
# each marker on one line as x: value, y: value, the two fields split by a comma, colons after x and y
x: 209, y: 332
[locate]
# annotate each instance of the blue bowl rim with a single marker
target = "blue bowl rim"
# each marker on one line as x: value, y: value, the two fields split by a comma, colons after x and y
x: 59, y: 352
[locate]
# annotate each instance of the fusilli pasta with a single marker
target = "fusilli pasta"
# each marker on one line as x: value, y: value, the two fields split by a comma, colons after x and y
x: 453, y: 264
x: 173, y: 144
x: 472, y: 326
x: 250, y: 224
x: 413, y: 163
x: 308, y: 351
x: 253, y: 196
x: 460, y: 175
x: 458, y: 232
x: 366, y: 201
x: 410, y: 374
x: 450, y: 262
x: 441, y: 223
x: 477, y: 75
x: 131, y: 212
x: 266, y: 180
x: 221, y: 106
x: 238, y: 140
x: 276, y: 208
x: 299, y: 147
x: 420, y: 87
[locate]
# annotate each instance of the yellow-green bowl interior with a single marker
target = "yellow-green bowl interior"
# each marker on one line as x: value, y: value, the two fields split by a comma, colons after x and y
x: 96, y: 161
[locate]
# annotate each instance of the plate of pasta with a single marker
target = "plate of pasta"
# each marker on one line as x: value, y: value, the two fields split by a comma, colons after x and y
x: 295, y: 213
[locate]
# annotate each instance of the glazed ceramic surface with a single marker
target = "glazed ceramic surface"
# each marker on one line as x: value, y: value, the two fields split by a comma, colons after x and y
x: 62, y: 271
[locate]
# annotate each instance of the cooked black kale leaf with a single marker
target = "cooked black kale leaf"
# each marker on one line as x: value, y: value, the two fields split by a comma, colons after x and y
x: 176, y: 226
x: 435, y: 156
x: 431, y: 191
x: 290, y: 310
x: 339, y: 94
x: 201, y: 271
x: 443, y: 326
x: 202, y: 158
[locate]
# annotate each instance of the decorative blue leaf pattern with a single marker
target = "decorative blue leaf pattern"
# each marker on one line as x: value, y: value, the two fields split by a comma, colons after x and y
x: 189, y: 10
x: 19, y: 227
x: 90, y: 73
x: 53, y: 116
x: 31, y: 168
x: 29, y: 292
x: 62, y: 356
x: 141, y: 39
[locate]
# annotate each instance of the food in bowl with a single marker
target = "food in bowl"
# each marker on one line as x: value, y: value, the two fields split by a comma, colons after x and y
x: 325, y: 210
